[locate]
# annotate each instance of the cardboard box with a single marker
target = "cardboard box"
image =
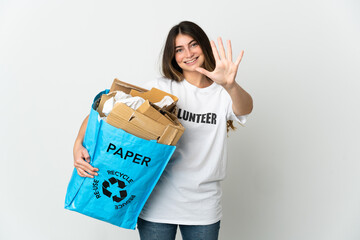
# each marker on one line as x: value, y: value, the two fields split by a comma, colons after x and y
x: 154, y: 112
x: 148, y: 121
x: 118, y: 85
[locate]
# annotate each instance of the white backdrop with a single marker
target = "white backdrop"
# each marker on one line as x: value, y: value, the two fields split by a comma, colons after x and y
x: 293, y: 171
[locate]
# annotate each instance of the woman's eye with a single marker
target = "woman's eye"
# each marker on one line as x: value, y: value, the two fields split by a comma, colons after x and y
x: 194, y: 44
x: 178, y: 50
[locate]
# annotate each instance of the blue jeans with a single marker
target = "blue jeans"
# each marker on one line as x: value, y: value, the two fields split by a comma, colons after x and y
x: 164, y: 231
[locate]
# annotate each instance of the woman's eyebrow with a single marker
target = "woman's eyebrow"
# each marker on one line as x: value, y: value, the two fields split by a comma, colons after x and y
x: 187, y: 44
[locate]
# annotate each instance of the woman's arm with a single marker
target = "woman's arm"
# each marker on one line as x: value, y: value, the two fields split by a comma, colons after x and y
x: 81, y: 155
x: 242, y: 101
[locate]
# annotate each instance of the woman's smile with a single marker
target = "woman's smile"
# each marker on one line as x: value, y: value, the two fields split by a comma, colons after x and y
x: 192, y: 61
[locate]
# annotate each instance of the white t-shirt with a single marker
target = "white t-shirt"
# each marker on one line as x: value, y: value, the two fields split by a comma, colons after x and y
x: 189, y: 192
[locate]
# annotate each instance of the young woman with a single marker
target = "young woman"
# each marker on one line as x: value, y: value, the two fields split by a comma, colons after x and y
x: 188, y: 193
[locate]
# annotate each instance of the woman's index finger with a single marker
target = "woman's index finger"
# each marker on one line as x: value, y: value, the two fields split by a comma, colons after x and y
x: 214, y: 50
x: 221, y: 48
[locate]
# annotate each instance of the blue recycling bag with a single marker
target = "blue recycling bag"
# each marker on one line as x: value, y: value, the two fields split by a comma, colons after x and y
x: 129, y: 167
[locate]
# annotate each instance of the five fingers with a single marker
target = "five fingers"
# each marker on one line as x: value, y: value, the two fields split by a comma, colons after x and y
x: 222, y: 55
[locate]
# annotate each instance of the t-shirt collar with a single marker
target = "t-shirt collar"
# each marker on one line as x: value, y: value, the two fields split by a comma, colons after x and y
x: 203, y: 90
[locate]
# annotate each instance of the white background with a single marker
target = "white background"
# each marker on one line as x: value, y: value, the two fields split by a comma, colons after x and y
x: 293, y: 171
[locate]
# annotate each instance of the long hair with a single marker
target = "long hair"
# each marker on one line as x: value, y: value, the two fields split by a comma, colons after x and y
x: 170, y: 68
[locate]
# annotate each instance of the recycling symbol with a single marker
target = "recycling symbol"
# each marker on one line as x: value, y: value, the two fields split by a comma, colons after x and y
x: 120, y: 185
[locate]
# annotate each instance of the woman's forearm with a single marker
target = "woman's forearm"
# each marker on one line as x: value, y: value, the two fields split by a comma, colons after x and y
x: 242, y: 101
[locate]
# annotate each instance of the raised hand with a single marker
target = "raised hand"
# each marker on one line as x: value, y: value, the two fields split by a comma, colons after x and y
x: 225, y: 70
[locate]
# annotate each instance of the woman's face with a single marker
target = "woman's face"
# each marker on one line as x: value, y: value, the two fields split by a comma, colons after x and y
x: 188, y: 53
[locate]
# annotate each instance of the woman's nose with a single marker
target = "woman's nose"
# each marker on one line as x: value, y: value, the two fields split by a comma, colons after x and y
x: 188, y: 52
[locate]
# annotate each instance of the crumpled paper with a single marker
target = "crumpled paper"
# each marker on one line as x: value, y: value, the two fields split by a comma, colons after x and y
x: 130, y: 101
